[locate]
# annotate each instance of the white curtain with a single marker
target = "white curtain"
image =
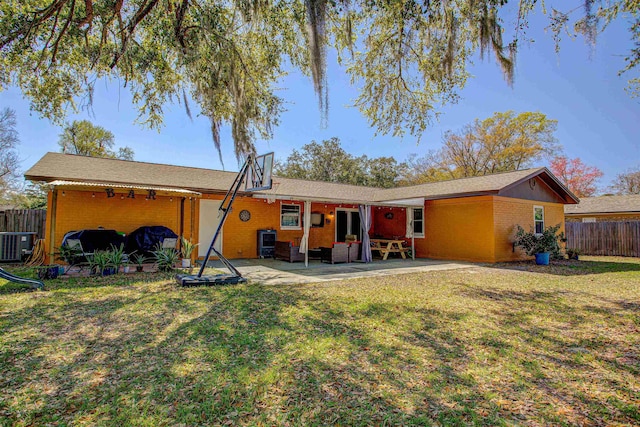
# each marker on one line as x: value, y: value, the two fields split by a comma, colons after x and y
x: 304, y: 243
x: 365, y: 224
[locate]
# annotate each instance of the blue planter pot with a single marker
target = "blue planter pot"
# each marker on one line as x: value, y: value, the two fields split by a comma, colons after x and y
x: 542, y: 258
x: 48, y: 272
x: 109, y: 271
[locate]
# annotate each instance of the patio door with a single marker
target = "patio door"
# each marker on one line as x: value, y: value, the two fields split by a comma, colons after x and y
x: 347, y: 222
x: 209, y: 219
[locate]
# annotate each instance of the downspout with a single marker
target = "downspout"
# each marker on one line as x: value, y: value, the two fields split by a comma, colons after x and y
x: 307, y: 227
x: 181, y: 222
x: 52, y: 226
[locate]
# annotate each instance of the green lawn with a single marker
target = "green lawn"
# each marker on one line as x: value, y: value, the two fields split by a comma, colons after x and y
x: 500, y: 345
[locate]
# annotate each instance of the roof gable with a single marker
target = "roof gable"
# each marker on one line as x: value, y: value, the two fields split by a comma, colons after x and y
x: 502, y: 184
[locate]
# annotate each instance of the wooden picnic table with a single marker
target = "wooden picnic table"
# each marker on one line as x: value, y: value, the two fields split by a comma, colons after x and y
x: 387, y: 246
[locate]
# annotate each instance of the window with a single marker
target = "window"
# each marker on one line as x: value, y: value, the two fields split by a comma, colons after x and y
x: 538, y: 219
x: 290, y: 217
x: 415, y: 222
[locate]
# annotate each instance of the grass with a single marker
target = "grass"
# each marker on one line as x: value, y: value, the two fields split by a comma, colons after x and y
x: 502, y: 345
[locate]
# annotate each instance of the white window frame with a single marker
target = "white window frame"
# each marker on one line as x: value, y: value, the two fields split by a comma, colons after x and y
x: 410, y: 215
x: 536, y: 221
x: 282, y: 215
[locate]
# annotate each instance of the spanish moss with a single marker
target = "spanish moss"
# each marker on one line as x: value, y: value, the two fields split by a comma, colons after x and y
x: 316, y: 40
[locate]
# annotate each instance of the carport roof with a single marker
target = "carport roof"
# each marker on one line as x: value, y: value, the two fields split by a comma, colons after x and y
x: 74, y: 168
x: 79, y: 185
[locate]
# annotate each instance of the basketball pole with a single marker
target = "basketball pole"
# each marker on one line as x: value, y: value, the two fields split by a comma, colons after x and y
x: 259, y: 175
x: 225, y: 208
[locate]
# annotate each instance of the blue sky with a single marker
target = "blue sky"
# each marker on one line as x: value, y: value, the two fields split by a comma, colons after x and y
x: 597, y: 120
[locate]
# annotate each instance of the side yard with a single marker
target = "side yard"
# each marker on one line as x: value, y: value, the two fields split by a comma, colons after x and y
x: 489, y: 345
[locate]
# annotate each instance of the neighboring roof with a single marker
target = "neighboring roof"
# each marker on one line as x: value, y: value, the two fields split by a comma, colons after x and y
x: 605, y: 204
x: 67, y: 167
x: 7, y: 208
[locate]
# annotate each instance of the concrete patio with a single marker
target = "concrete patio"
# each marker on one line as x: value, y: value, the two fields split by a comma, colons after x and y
x: 275, y: 272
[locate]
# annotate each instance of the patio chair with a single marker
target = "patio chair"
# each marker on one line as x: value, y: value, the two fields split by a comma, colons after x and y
x: 82, y: 258
x: 169, y: 243
x: 338, y: 253
x: 354, y: 251
x: 288, y: 251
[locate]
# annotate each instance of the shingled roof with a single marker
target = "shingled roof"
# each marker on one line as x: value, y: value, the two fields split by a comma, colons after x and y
x: 66, y: 167
x: 488, y: 184
x: 605, y: 204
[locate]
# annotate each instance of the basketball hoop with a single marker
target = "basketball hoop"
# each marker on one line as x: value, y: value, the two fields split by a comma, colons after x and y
x: 258, y: 175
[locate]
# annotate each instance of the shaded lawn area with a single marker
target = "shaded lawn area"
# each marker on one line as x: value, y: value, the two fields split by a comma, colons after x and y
x: 487, y: 346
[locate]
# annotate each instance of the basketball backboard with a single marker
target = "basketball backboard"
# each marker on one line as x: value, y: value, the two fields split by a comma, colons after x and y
x: 259, y: 173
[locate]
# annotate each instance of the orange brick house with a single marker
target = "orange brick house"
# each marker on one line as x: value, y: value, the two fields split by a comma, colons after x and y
x: 470, y: 219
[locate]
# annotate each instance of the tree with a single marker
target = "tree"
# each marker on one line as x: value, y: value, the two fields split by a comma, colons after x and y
x: 501, y: 143
x: 407, y: 57
x: 420, y: 170
x: 85, y: 139
x: 381, y: 172
x: 578, y: 177
x: 628, y: 182
x: 31, y: 195
x: 9, y: 161
x: 329, y: 162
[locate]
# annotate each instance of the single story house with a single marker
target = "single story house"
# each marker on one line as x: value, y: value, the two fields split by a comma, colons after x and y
x: 471, y: 219
x: 604, y: 209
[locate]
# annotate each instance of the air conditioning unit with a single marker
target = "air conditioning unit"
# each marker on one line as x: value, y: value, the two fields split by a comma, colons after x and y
x: 14, y: 246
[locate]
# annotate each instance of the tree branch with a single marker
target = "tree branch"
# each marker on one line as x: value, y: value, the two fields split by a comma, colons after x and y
x: 62, y: 32
x: 140, y: 14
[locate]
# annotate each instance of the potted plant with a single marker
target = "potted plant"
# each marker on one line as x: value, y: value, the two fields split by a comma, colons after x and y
x: 166, y: 258
x: 100, y: 263
x: 116, y: 257
x: 187, y: 250
x: 139, y: 259
x: 541, y: 245
x: 69, y: 255
x: 48, y: 272
x: 125, y: 264
x: 573, y: 254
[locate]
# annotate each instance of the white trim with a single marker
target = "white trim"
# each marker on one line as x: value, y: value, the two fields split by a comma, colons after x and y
x: 289, y: 227
x: 409, y: 229
x: 534, y: 217
x: 415, y: 202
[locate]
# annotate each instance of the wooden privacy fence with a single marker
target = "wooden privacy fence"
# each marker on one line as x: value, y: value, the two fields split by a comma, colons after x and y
x: 604, y: 238
x: 24, y: 220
